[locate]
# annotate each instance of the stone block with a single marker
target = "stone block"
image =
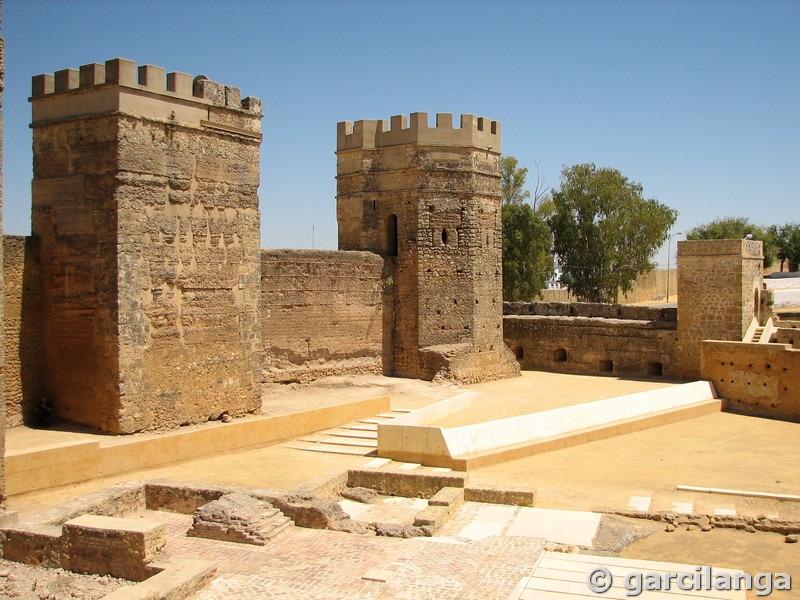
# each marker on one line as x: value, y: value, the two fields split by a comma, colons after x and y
x: 112, y: 546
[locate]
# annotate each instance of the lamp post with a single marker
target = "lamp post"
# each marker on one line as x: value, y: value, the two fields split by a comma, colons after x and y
x: 669, y: 259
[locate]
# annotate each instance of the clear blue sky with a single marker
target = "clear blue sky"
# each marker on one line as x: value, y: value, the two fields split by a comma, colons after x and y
x: 698, y: 101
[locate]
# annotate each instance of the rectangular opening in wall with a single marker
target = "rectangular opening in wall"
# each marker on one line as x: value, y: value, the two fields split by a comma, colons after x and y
x: 655, y: 369
x: 606, y: 366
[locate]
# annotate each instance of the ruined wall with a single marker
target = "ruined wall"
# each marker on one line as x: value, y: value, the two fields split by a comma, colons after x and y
x: 592, y: 339
x: 322, y: 313
x: 756, y: 379
x: 720, y: 287
x: 145, y: 202
x: 428, y: 198
x: 21, y: 329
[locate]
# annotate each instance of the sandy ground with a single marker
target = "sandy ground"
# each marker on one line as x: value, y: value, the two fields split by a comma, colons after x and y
x: 719, y: 450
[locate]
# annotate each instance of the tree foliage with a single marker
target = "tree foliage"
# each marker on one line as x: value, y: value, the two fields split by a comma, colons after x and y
x: 734, y: 228
x: 786, y: 240
x: 513, y: 178
x: 605, y: 231
x: 527, y: 261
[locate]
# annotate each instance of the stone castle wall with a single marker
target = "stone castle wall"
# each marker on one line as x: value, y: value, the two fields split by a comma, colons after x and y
x: 756, y: 379
x: 322, y: 314
x: 592, y: 339
x: 21, y: 330
x: 719, y: 286
x: 428, y: 198
x: 145, y: 204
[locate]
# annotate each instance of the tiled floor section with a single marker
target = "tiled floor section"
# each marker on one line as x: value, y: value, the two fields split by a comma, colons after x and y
x: 327, y: 565
x: 559, y: 576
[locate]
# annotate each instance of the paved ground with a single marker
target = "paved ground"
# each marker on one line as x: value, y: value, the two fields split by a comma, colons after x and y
x: 482, y: 557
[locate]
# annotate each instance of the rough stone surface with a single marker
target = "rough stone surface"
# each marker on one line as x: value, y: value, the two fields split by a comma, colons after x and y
x: 755, y: 379
x: 322, y: 314
x: 2, y: 315
x: 719, y: 286
x: 21, y: 331
x: 359, y: 494
x: 238, y: 517
x: 592, y: 345
x: 406, y: 484
x: 428, y: 200
x: 148, y: 224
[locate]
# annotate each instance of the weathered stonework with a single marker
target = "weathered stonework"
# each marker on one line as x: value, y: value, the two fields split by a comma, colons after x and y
x: 21, y: 330
x: 756, y: 379
x: 238, y: 517
x: 322, y: 314
x: 428, y: 200
x: 592, y: 345
x: 145, y: 204
x: 719, y: 291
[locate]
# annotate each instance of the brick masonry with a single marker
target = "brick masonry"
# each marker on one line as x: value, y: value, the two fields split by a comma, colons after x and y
x: 322, y: 314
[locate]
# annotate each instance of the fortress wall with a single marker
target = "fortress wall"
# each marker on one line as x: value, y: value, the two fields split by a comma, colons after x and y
x: 322, y: 313
x: 592, y: 346
x: 21, y: 329
x: 756, y: 379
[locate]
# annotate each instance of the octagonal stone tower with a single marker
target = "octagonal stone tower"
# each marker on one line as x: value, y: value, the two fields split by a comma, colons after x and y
x: 145, y: 207
x: 428, y: 200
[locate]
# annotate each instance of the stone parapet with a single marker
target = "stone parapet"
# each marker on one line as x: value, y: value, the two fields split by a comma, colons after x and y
x: 474, y: 131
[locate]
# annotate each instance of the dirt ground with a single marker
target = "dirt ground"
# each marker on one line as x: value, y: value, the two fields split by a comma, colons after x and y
x: 758, y: 552
x: 24, y: 582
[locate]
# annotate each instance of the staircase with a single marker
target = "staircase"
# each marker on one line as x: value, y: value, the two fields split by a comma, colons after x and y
x: 760, y: 334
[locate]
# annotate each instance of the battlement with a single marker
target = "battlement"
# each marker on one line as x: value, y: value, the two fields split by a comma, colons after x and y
x: 123, y: 72
x: 474, y: 131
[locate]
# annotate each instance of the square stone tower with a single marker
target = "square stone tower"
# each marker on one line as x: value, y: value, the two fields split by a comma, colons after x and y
x: 145, y: 207
x: 428, y: 200
x: 719, y: 292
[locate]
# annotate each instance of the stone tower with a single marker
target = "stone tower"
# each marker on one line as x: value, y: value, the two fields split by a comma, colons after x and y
x: 145, y: 207
x: 428, y: 200
x: 719, y: 293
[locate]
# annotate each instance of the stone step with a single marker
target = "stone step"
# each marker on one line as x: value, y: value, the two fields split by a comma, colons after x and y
x: 364, y: 435
x: 279, y: 529
x: 340, y: 449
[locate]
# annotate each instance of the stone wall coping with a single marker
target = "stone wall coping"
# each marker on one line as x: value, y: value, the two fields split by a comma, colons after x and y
x: 474, y: 131
x: 125, y: 73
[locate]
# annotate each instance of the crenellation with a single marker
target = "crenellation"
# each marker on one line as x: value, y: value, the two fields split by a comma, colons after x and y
x: 91, y: 75
x: 121, y: 71
x: 181, y: 84
x: 66, y: 79
x: 126, y: 74
x: 477, y: 132
x: 152, y: 77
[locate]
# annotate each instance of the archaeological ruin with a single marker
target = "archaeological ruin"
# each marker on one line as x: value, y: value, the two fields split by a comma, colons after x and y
x: 142, y: 302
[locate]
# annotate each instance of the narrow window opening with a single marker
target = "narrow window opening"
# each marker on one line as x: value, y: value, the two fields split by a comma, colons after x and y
x: 444, y: 237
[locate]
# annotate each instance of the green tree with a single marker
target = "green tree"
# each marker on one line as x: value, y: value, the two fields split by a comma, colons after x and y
x: 786, y: 239
x: 513, y: 178
x: 734, y: 228
x: 527, y: 261
x: 605, y: 231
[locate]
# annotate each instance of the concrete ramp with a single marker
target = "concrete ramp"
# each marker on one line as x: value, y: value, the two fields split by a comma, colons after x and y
x: 473, y: 446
